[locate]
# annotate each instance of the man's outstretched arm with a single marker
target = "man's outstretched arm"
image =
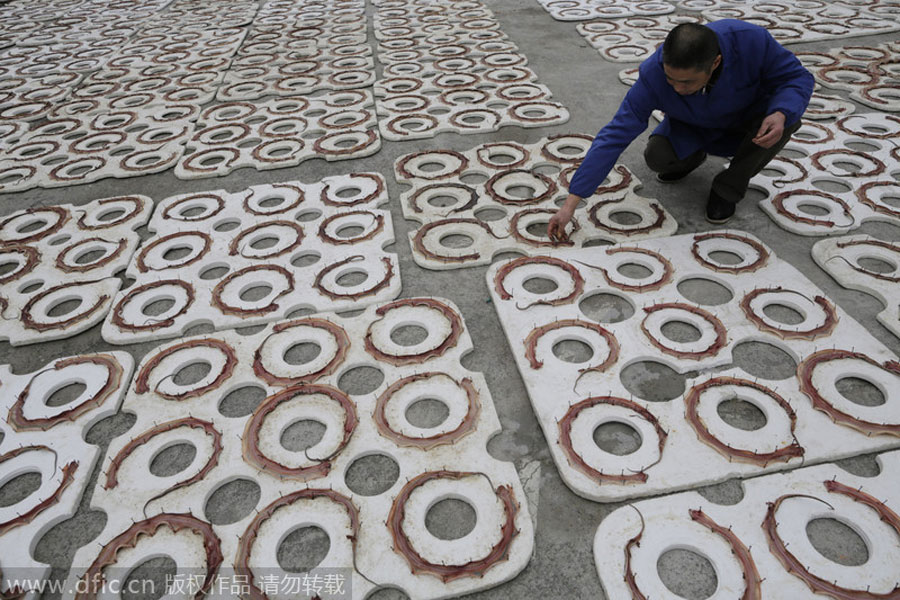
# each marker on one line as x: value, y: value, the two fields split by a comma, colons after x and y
x: 556, y: 228
x: 629, y: 122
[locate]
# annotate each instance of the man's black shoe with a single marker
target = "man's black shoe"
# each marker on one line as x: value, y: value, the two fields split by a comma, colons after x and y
x: 678, y: 175
x: 718, y: 210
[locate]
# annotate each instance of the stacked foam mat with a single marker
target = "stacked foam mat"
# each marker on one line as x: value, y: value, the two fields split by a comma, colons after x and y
x: 280, y: 132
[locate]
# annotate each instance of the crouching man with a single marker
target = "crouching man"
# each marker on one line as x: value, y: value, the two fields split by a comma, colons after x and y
x: 727, y: 88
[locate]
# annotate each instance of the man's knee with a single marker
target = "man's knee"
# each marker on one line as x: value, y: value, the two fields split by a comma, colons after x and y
x: 659, y: 154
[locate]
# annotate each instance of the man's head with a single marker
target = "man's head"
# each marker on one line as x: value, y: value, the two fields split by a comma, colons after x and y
x: 690, y: 55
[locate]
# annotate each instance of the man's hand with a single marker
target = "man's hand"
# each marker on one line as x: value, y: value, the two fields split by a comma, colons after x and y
x: 770, y: 131
x: 556, y: 228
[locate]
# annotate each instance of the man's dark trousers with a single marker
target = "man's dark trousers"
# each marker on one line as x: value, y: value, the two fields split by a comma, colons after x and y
x: 731, y: 184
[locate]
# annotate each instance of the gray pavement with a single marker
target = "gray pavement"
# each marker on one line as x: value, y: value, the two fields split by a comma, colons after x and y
x: 587, y: 85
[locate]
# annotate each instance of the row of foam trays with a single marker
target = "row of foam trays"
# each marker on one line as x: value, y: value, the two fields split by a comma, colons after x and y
x: 227, y: 259
x: 236, y: 401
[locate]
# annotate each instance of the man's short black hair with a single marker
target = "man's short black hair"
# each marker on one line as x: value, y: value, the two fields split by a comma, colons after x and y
x: 691, y: 46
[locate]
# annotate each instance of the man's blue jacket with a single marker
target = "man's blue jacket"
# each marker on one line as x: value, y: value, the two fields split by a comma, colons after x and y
x: 758, y: 77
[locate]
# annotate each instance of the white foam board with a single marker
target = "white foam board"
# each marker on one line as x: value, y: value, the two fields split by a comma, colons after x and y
x: 807, y: 419
x: 256, y: 256
x: 49, y: 440
x: 520, y: 186
x: 309, y: 487
x: 867, y: 264
x: 759, y: 547
x: 852, y: 157
x: 56, y: 255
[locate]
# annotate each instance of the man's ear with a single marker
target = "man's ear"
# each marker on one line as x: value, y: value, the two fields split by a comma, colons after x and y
x: 716, y: 63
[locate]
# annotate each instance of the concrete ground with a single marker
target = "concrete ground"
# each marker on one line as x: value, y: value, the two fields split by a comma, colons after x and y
x: 587, y: 85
